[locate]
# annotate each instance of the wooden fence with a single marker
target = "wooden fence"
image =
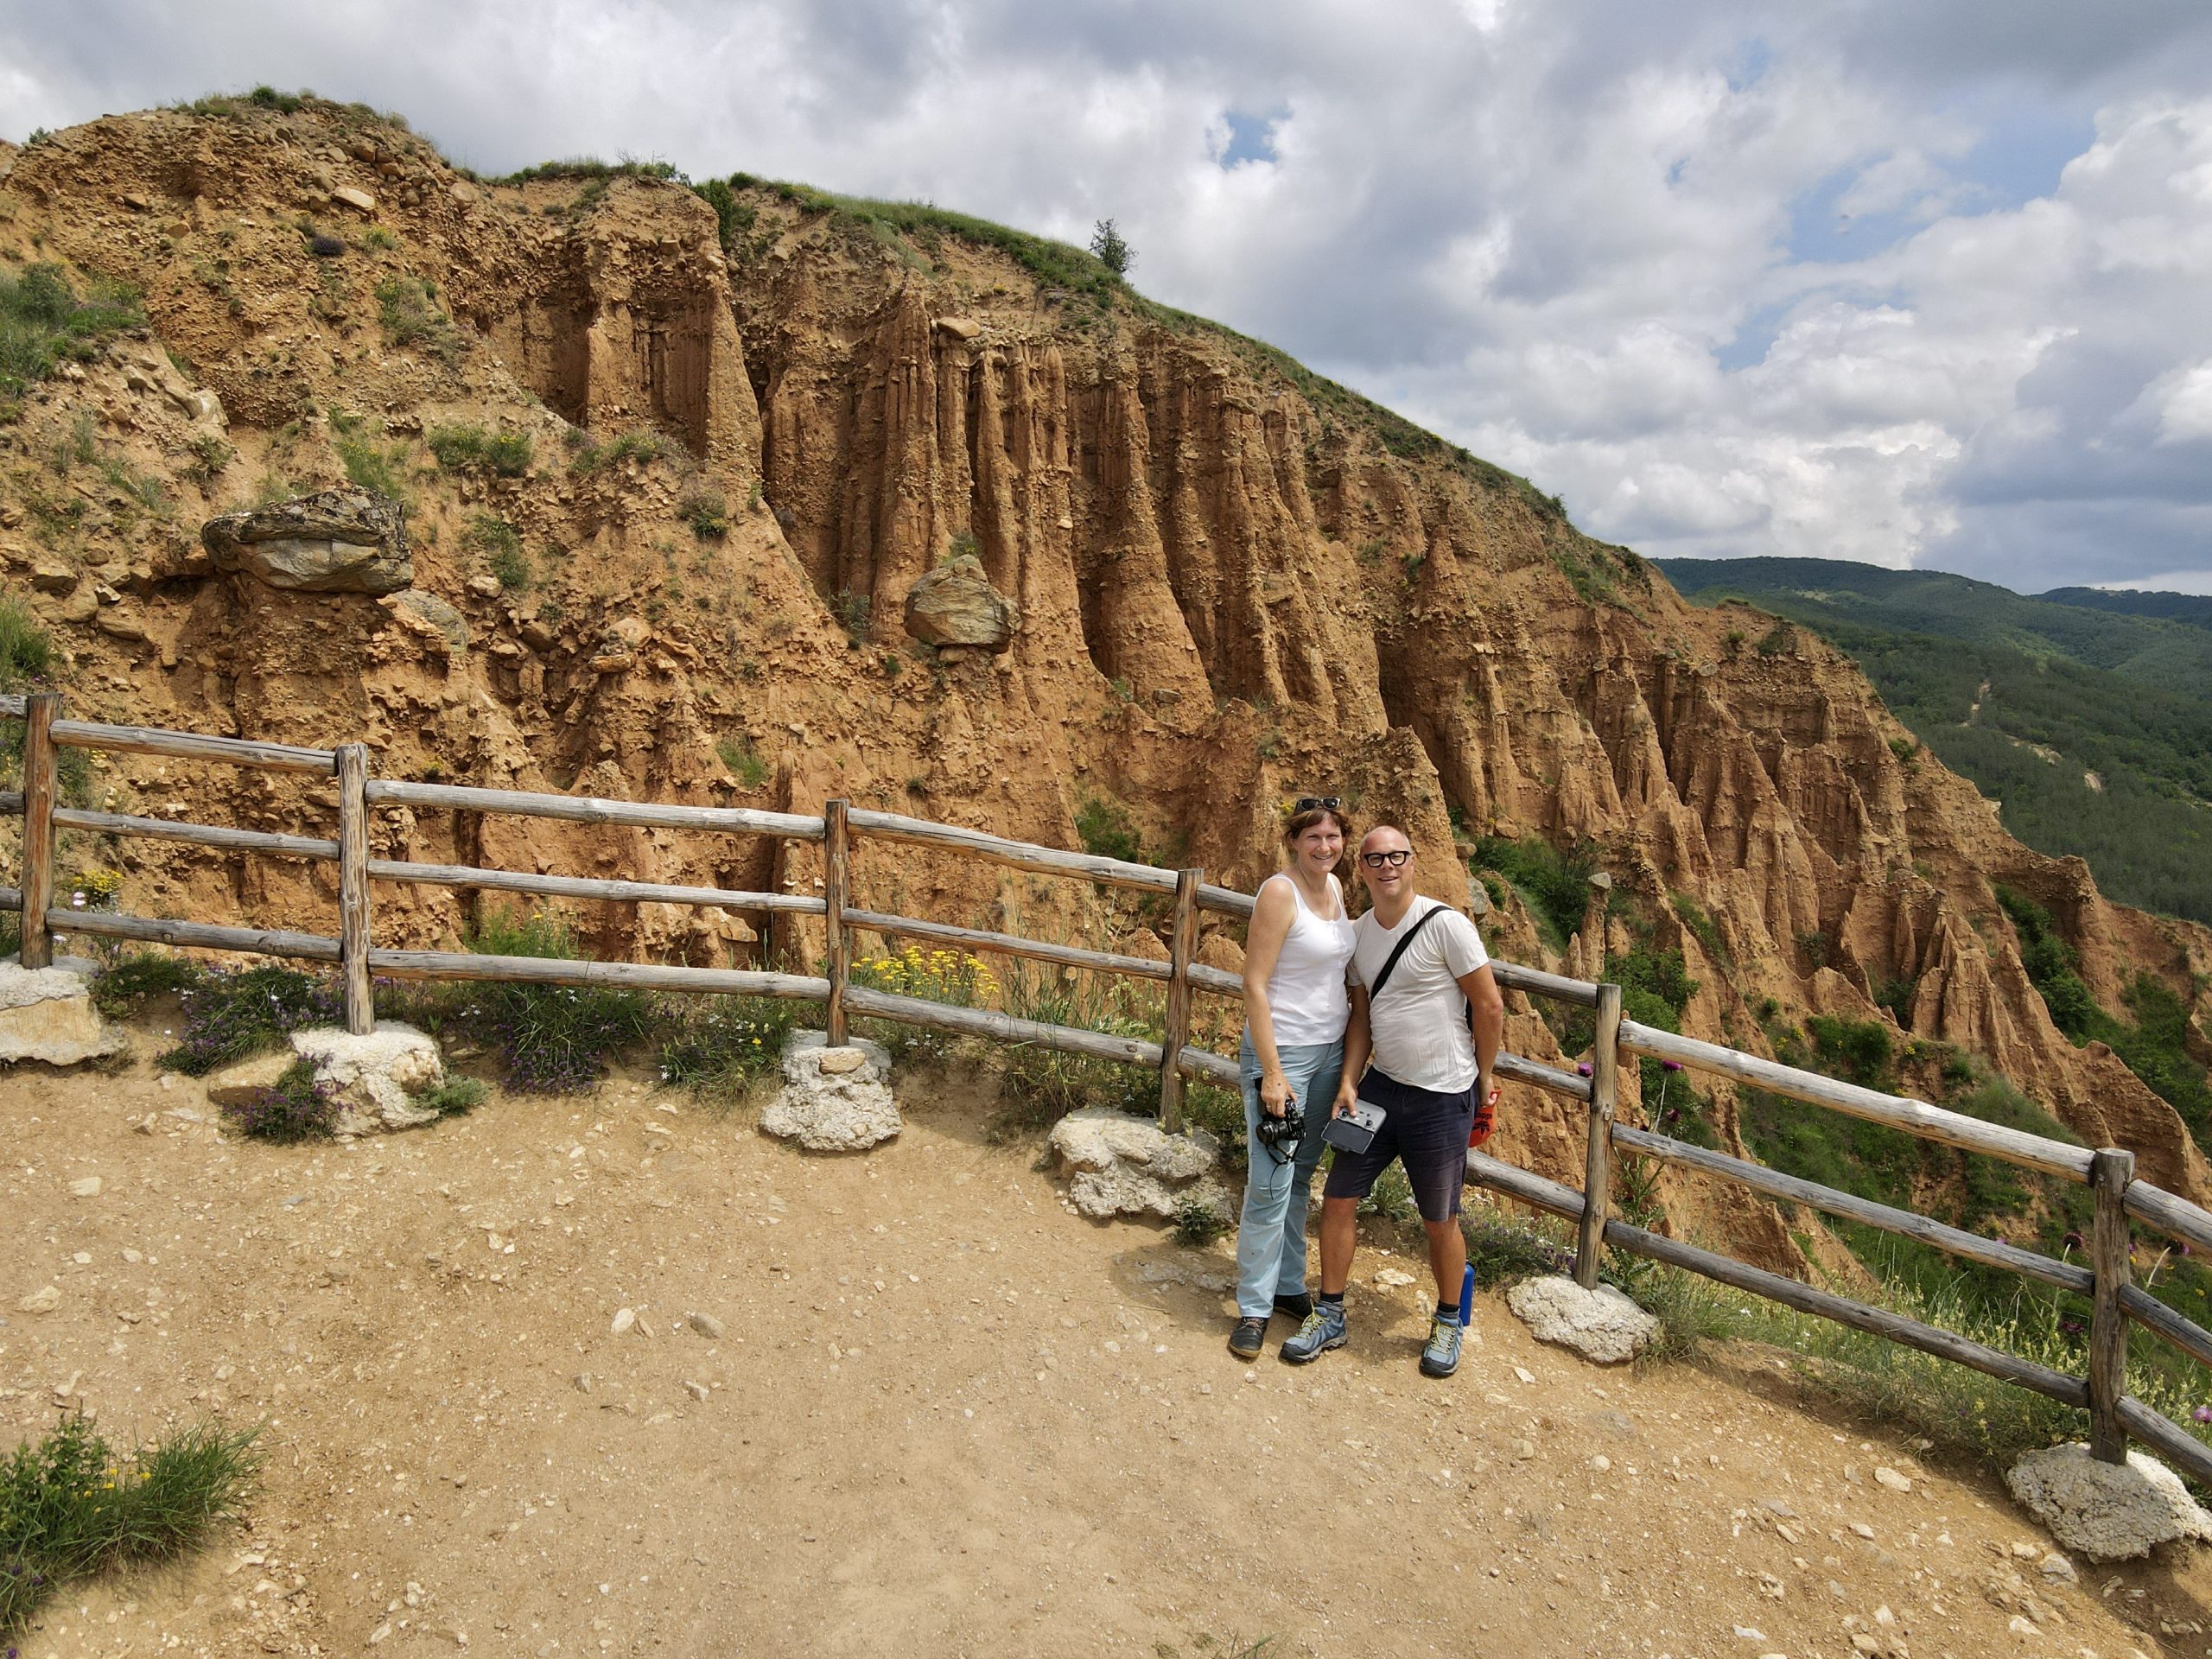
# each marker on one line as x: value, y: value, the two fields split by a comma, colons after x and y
x: 2119, y: 1196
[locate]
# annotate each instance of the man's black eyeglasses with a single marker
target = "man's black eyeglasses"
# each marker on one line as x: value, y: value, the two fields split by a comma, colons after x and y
x: 1308, y: 803
x: 1393, y: 857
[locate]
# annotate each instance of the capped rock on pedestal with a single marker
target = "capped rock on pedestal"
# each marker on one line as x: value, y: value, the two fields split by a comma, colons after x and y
x: 374, y: 1078
x: 956, y: 605
x: 46, y: 1014
x: 2106, y: 1512
x: 333, y: 542
x: 834, y: 1099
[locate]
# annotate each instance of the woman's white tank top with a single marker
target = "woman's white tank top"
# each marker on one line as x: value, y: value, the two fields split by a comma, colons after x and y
x: 1306, y: 992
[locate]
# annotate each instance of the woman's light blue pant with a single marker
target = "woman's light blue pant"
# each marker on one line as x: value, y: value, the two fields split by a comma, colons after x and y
x: 1271, y: 1233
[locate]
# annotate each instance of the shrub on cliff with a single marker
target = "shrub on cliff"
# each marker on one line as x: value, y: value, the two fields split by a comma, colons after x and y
x: 42, y: 322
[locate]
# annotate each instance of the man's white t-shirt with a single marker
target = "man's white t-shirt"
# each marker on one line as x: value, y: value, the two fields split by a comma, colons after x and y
x: 1420, y: 1022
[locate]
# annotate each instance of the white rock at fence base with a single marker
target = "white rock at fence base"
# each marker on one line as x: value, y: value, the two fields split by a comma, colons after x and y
x: 1126, y: 1166
x: 2106, y: 1512
x: 829, y: 1103
x: 374, y: 1077
x: 1601, y: 1325
x: 46, y: 1014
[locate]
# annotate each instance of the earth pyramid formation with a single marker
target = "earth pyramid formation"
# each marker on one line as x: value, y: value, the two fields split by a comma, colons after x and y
x: 673, y: 468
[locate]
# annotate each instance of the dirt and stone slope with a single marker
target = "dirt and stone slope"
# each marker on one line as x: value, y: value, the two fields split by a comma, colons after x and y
x: 906, y: 1404
x: 749, y: 438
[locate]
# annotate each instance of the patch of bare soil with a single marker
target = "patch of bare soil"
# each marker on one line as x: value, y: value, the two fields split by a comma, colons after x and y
x: 940, y: 1414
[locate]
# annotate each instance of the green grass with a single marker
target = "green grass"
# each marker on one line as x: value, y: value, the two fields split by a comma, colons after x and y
x: 463, y: 448
x: 229, y: 1016
x: 44, y: 321
x: 407, y: 307
x: 744, y: 761
x: 26, y: 651
x: 500, y: 544
x: 719, y: 1047
x: 1105, y: 830
x: 1554, y: 881
x: 642, y: 444
x: 132, y: 980
x: 72, y: 1505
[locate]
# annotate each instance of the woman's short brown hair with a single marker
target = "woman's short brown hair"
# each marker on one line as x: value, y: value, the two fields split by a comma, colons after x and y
x: 1299, y: 823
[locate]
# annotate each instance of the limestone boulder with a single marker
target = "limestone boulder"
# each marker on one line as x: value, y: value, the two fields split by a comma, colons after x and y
x: 1603, y: 1325
x: 47, y: 1014
x: 2106, y: 1512
x: 333, y: 542
x: 1119, y: 1165
x: 834, y: 1099
x: 374, y: 1078
x: 430, y: 618
x: 956, y: 605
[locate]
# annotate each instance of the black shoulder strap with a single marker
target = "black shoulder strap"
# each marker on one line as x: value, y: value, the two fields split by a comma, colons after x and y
x: 1384, y: 978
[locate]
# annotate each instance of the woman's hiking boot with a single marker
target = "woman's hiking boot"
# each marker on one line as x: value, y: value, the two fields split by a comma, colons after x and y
x: 1247, y: 1339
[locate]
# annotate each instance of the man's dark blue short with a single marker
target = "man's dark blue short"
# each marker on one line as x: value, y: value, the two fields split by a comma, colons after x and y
x: 1425, y: 1131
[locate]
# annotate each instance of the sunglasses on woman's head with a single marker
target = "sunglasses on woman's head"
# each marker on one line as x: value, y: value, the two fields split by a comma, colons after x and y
x: 1393, y: 857
x: 1308, y: 803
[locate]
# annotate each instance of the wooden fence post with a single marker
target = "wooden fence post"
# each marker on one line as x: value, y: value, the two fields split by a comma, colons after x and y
x: 1185, y: 945
x: 835, y: 860
x: 353, y: 887
x: 1597, y: 1163
x: 40, y: 709
x: 2110, y: 1171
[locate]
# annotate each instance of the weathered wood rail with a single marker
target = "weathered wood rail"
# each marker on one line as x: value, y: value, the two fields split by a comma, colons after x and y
x: 2119, y: 1196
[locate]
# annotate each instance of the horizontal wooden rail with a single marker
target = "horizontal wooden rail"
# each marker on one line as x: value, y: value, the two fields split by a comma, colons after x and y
x: 1006, y: 944
x: 1895, y: 1327
x: 1217, y: 980
x: 1514, y: 977
x: 1549, y: 1078
x: 1775, y: 1185
x: 11, y: 897
x: 1020, y: 855
x: 1201, y: 1063
x: 2174, y: 1217
x: 192, y: 745
x: 2176, y: 1442
x: 627, y: 976
x: 1003, y: 1027
x: 11, y: 802
x: 573, y: 887
x: 590, y: 808
x: 1913, y: 1116
x: 11, y: 704
x: 1226, y: 901
x: 197, y: 834
x: 2153, y: 1314
x: 252, y: 941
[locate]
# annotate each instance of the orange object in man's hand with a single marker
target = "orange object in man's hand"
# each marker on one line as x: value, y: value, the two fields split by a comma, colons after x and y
x: 1485, y: 1118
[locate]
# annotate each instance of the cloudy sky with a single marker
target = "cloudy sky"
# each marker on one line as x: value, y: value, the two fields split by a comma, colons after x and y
x: 1921, y: 282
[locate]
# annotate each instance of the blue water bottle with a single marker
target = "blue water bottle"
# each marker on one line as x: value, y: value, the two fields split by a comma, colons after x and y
x: 1466, y: 1295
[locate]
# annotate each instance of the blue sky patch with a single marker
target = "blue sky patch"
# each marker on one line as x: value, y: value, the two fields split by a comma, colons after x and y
x: 1251, y: 138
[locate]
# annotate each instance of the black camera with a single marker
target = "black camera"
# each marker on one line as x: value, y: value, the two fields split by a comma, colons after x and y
x: 1280, y: 1135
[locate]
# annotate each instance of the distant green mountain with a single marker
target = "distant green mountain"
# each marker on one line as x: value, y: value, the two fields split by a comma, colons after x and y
x: 2194, y: 609
x: 2092, y: 727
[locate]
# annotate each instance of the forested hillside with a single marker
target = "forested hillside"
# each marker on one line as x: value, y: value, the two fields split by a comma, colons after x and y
x: 2091, y: 729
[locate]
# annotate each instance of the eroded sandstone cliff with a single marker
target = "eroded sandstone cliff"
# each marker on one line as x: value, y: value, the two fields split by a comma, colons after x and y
x: 747, y: 442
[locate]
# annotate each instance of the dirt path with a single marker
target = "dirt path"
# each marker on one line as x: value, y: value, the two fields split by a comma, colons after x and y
x: 945, y: 1416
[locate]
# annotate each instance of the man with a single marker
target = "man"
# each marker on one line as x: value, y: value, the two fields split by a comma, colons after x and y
x: 1428, y: 1071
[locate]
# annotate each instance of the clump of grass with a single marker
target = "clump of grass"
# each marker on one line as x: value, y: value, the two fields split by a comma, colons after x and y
x: 294, y: 1108
x: 455, y: 1097
x: 210, y: 456
x: 43, y: 324
x: 134, y: 979
x: 1555, y: 880
x: 71, y: 1506
x: 553, y: 1040
x: 851, y: 607
x: 1105, y: 828
x: 462, y: 448
x: 743, y: 760
x: 1198, y: 1222
x: 408, y: 307
x: 1042, y: 1085
x: 718, y: 1048
x: 231, y: 1014
x: 706, y: 513
x: 500, y: 544
x: 26, y: 651
x: 643, y: 445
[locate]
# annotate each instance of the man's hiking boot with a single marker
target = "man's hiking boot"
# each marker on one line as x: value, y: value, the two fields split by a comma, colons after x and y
x: 1246, y: 1340
x: 1323, y: 1329
x: 1297, y: 1306
x: 1439, y: 1356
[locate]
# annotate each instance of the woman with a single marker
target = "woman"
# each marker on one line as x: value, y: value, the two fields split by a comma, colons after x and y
x: 1295, y: 1009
